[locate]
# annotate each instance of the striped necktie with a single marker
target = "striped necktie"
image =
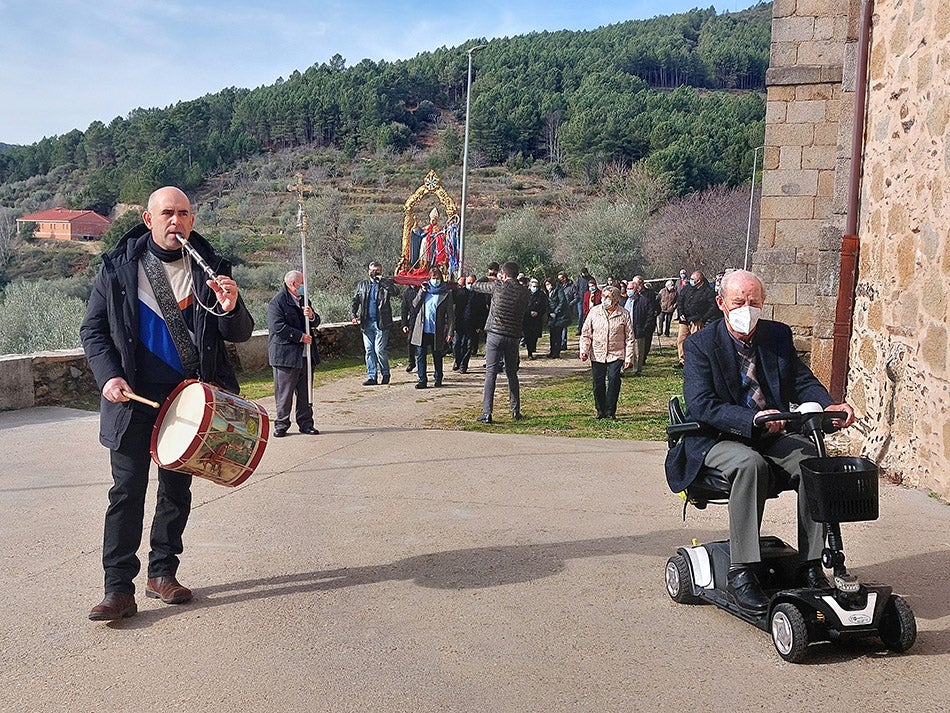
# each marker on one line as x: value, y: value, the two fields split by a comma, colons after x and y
x: 754, y: 397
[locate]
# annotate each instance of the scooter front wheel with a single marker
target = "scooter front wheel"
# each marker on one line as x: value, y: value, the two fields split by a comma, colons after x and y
x: 898, y: 630
x: 789, y: 632
x: 679, y: 580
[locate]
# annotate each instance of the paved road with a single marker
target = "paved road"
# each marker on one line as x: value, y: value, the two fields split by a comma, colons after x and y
x: 381, y: 567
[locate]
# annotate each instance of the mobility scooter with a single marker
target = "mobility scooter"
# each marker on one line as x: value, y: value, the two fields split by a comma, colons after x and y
x: 839, y: 489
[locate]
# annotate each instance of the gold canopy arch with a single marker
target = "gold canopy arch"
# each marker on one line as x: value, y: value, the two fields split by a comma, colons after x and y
x: 431, y: 184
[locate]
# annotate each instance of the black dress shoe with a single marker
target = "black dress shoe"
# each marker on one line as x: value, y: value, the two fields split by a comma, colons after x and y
x: 369, y: 382
x: 280, y: 434
x: 484, y: 418
x: 310, y: 431
x: 411, y: 368
x: 812, y: 576
x: 438, y: 383
x: 385, y: 379
x: 744, y: 589
x: 421, y: 385
x: 516, y: 415
x: 115, y: 605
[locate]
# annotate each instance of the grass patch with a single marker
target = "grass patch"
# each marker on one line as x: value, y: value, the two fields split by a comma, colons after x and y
x: 258, y: 384
x: 565, y: 406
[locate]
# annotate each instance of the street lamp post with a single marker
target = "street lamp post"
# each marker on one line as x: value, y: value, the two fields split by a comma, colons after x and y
x: 468, y: 113
x: 748, y: 232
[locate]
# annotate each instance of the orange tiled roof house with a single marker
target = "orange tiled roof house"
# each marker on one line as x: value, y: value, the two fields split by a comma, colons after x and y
x: 64, y: 224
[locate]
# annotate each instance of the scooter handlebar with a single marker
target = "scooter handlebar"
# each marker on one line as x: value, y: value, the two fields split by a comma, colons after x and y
x: 798, y: 417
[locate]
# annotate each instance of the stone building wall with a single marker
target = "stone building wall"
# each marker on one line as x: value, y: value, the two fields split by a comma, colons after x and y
x: 898, y: 370
x: 898, y: 352
x: 805, y: 167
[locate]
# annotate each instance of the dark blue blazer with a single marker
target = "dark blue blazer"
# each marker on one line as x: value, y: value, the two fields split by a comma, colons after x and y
x: 713, y: 392
x: 285, y: 325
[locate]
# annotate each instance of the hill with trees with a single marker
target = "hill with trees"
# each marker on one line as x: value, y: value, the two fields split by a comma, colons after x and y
x: 580, y: 143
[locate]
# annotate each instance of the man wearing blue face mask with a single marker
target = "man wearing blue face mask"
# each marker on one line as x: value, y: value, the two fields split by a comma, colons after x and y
x: 287, y: 341
x: 736, y: 368
x: 433, y: 320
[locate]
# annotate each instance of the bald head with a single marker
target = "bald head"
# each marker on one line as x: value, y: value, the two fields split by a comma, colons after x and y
x: 169, y: 214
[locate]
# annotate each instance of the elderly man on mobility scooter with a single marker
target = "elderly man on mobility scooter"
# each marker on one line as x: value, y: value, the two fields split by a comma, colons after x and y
x: 737, y: 368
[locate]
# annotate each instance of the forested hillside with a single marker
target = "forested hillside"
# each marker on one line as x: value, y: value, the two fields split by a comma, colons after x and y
x: 575, y: 99
x: 625, y: 149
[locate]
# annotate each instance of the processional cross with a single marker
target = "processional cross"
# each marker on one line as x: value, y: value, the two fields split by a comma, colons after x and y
x: 301, y: 189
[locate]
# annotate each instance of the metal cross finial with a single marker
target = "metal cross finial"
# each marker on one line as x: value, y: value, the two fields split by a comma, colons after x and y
x: 300, y: 188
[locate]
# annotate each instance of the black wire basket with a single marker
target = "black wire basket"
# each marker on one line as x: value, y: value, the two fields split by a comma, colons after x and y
x: 841, y: 489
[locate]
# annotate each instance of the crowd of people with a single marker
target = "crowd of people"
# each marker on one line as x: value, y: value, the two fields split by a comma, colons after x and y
x: 442, y: 319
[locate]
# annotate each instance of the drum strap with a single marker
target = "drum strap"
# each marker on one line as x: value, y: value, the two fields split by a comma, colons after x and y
x: 154, y: 269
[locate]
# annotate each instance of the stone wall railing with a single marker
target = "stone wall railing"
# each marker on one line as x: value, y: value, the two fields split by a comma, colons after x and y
x: 63, y: 378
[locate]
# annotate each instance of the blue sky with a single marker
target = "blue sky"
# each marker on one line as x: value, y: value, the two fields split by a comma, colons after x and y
x: 67, y: 63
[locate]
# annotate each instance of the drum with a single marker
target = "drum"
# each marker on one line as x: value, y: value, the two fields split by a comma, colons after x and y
x: 209, y: 432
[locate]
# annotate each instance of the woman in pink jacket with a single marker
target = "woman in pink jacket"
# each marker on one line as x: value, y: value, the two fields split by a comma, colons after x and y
x: 607, y: 340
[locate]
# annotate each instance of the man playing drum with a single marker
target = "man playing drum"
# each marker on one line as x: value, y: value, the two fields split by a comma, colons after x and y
x: 154, y: 319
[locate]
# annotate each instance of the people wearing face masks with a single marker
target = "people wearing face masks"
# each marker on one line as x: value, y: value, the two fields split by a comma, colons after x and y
x: 559, y: 315
x: 535, y: 316
x: 287, y: 342
x: 667, y: 295
x: 468, y: 323
x: 589, y: 298
x: 737, y: 368
x: 643, y: 306
x: 372, y: 310
x: 580, y: 292
x: 607, y: 341
x: 433, y: 321
x: 695, y: 306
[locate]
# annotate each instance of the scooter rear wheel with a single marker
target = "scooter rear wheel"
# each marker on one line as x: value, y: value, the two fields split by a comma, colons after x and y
x: 679, y: 580
x: 898, y: 628
x: 789, y: 632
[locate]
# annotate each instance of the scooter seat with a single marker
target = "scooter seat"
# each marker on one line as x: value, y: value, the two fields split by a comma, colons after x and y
x: 711, y: 486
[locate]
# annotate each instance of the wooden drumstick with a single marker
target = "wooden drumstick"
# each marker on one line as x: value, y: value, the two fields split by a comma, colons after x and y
x: 140, y: 399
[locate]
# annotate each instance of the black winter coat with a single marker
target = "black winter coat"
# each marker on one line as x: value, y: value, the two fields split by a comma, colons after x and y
x: 109, y: 331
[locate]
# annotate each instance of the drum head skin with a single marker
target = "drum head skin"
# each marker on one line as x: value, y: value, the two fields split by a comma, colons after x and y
x: 211, y: 433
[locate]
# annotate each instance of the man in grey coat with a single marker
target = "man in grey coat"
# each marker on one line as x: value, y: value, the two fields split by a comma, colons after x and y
x: 287, y: 342
x: 509, y: 301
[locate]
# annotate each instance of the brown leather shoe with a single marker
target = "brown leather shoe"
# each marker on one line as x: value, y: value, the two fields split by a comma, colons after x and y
x: 168, y: 590
x: 115, y: 605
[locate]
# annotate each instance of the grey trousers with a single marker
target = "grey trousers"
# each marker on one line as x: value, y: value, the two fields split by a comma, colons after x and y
x: 748, y: 471
x: 497, y: 348
x: 288, y: 384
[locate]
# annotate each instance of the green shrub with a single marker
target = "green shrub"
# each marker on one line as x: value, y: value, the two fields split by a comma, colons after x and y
x: 34, y: 319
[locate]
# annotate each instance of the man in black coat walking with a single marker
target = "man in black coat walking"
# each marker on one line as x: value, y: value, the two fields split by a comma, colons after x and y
x: 287, y: 342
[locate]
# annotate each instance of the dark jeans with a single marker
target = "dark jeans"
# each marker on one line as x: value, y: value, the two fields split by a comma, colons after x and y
x: 663, y: 323
x: 501, y: 352
x: 465, y: 343
x: 438, y: 351
x: 123, y: 526
x: 290, y: 383
x: 557, y: 339
x: 606, y: 378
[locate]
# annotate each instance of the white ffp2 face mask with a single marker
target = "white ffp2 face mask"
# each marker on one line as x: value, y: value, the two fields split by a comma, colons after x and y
x: 744, y: 319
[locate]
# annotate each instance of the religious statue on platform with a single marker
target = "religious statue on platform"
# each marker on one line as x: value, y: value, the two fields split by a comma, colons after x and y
x: 424, y: 247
